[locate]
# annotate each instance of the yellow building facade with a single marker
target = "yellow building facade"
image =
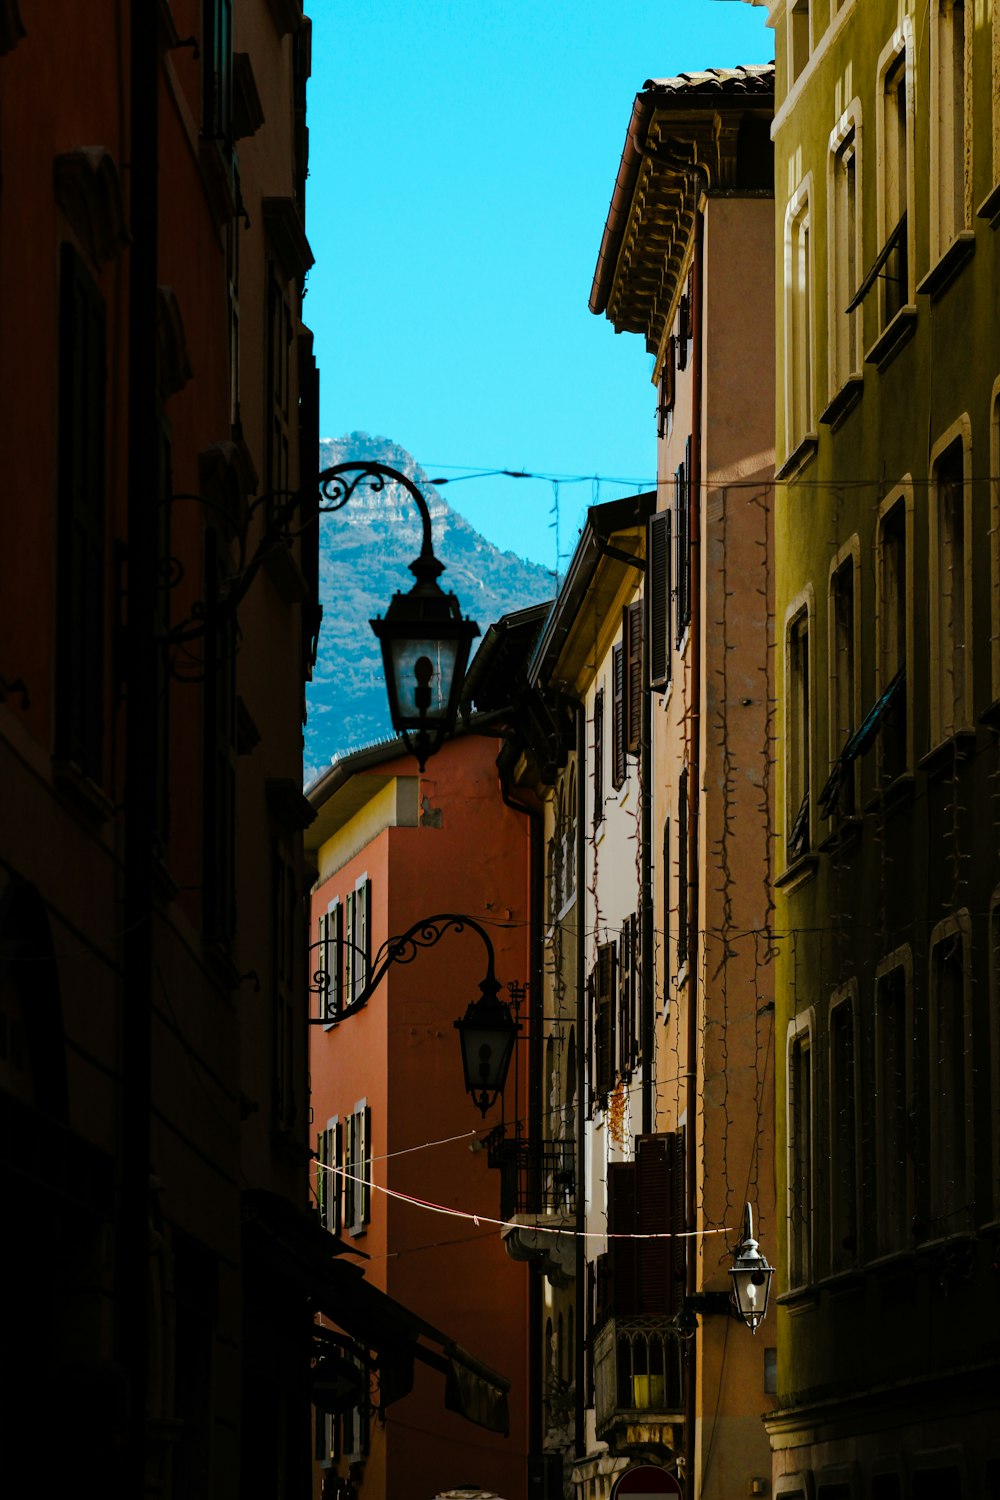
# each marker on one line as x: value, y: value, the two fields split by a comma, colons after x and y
x: 887, y: 569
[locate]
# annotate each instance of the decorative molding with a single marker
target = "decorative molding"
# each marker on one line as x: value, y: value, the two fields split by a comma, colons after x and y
x: 88, y: 190
x: 173, y: 362
x: 12, y: 28
x: 283, y: 227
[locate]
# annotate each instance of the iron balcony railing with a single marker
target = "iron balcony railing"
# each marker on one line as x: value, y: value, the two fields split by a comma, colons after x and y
x: 536, y: 1177
x: 637, y: 1373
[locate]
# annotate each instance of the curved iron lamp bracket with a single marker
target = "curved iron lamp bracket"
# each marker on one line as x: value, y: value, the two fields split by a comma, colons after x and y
x: 337, y: 487
x: 403, y: 949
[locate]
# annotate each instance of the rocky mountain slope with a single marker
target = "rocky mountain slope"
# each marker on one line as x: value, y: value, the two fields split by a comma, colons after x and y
x: 365, y: 552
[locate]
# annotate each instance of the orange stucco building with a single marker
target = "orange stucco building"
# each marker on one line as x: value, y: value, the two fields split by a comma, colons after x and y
x: 390, y: 1112
x: 158, y: 621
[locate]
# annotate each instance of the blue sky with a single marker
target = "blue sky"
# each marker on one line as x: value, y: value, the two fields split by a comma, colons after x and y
x: 462, y: 161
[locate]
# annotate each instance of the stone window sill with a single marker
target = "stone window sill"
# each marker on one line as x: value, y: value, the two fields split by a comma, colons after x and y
x: 892, y: 338
x: 941, y: 275
x: 846, y: 399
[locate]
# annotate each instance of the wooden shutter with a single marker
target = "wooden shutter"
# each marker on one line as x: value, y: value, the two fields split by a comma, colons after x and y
x: 322, y: 1175
x: 634, y: 676
x: 79, y: 721
x: 618, y: 716
x: 350, y: 953
x: 683, y: 331
x: 658, y: 552
x: 364, y: 1117
x: 682, y: 549
x: 624, y: 1016
x: 599, y: 756
x: 321, y: 975
x: 667, y: 374
x: 361, y: 937
x: 335, y: 994
x: 623, y: 1257
x: 653, y: 1217
x: 591, y: 1033
x: 667, y: 956
x: 335, y: 1192
x: 605, y: 1019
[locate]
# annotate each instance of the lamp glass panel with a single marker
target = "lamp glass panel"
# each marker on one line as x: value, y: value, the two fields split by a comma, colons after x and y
x: 423, y: 667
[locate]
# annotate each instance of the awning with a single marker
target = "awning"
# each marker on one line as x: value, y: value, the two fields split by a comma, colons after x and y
x: 294, y: 1246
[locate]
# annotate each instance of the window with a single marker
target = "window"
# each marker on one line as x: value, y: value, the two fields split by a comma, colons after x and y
x: 569, y: 839
x: 556, y: 854
x: 951, y: 1155
x: 995, y: 512
x: 895, y: 158
x: 682, y: 545
x: 632, y: 641
x: 665, y: 406
x: 844, y: 1179
x: 598, y: 756
x: 603, y: 985
x: 658, y: 545
x: 892, y: 1095
x: 357, y: 1169
x: 950, y: 121
x: 893, y: 634
x: 629, y: 1041
x: 845, y: 258
x: 682, y: 869
x: 80, y: 622
x: 284, y: 990
x: 217, y: 71
x: 800, y: 1154
x: 329, y: 1178
x: 685, y: 326
x: 842, y: 619
x: 618, y: 689
x: 797, y: 733
x: 357, y: 945
x: 799, y: 320
x: 279, y: 344
x: 331, y: 965
x: 219, y: 749
x: 949, y: 584
x: 799, y: 38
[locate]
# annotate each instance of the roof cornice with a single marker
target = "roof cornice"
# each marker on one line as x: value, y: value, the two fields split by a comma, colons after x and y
x: 681, y: 141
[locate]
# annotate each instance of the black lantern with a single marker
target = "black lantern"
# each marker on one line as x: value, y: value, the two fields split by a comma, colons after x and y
x: 425, y: 647
x: 424, y: 637
x: 487, y: 1033
x: 751, y: 1277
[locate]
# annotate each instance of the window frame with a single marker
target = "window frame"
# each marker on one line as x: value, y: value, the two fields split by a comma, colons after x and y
x: 897, y: 54
x: 956, y: 1219
x: 847, y: 558
x: 950, y: 155
x: 846, y: 332
x: 887, y: 663
x: 799, y: 779
x: 961, y: 717
x: 842, y: 1256
x: 887, y: 1242
x: 801, y: 1247
x: 800, y: 320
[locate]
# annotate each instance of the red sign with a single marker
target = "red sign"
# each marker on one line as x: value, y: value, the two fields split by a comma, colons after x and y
x: 646, y: 1483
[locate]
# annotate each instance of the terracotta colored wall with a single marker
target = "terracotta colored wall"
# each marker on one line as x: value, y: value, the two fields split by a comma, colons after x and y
x: 469, y: 854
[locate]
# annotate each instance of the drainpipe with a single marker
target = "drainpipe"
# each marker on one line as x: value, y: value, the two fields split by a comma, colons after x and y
x: 694, y: 789
x: 133, y: 1244
x: 536, y: 1006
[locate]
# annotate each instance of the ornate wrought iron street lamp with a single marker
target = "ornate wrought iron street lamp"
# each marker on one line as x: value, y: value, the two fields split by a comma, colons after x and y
x: 424, y: 637
x: 487, y: 1031
x: 751, y: 1277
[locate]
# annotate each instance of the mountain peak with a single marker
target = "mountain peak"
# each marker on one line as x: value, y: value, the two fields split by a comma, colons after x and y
x: 365, y: 552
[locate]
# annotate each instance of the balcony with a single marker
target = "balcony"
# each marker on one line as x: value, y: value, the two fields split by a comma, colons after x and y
x: 638, y: 1386
x: 537, y: 1201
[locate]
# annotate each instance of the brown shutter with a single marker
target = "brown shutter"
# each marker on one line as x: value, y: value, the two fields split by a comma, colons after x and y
x: 660, y: 1211
x: 634, y: 682
x: 684, y: 323
x: 625, y: 1293
x: 658, y: 552
x: 677, y: 1248
x: 605, y: 1019
x: 625, y: 1037
x: 599, y: 757
x: 618, y: 716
